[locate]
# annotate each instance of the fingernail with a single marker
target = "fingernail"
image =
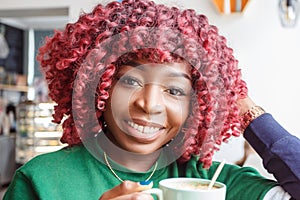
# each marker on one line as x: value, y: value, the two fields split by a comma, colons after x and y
x: 145, y: 182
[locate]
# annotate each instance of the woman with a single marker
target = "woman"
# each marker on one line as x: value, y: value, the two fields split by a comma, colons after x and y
x: 149, y: 92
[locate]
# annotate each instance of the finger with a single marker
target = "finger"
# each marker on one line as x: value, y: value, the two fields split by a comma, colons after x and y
x: 145, y: 185
x: 126, y: 187
x: 134, y: 196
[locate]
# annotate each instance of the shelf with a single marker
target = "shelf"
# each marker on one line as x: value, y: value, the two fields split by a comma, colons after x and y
x: 48, y: 134
x: 231, y: 6
x: 36, y: 133
x: 16, y: 88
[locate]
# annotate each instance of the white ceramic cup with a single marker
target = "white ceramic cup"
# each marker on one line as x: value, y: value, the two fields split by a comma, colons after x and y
x: 188, y: 189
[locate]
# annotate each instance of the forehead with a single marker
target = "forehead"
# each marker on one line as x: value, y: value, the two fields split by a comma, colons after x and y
x: 166, y: 67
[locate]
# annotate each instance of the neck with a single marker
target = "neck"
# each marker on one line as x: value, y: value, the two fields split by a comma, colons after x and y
x: 133, y: 161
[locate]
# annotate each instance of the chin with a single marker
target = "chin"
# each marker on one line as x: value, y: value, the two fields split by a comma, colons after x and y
x: 143, y: 150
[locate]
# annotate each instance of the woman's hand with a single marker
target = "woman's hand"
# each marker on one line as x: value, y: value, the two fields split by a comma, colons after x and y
x: 127, y: 190
x: 248, y: 111
x: 245, y: 104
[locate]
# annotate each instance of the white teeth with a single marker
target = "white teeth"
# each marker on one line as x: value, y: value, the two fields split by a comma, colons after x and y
x: 147, y: 129
x: 140, y: 128
x: 143, y: 129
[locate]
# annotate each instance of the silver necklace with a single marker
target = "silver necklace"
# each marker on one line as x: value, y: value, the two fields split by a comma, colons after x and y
x: 116, y: 175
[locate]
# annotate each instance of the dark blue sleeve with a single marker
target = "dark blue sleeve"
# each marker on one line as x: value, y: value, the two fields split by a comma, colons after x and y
x: 279, y: 150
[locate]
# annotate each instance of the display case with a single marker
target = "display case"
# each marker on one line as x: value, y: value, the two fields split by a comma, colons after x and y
x: 36, y: 133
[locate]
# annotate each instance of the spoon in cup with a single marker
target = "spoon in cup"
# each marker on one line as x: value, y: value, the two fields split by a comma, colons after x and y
x: 217, y: 173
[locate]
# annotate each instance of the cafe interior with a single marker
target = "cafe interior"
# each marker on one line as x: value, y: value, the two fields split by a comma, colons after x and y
x: 265, y: 37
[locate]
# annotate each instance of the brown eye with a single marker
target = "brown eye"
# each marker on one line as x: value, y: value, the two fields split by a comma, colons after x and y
x: 128, y: 80
x: 176, y: 92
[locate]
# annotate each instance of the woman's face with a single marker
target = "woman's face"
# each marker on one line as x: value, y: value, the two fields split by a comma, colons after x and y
x: 148, y: 105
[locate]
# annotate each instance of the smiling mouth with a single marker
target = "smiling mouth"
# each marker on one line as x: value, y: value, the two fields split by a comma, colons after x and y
x: 143, y: 129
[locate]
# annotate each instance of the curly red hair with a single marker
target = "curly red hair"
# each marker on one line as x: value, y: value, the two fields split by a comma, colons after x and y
x: 78, y: 53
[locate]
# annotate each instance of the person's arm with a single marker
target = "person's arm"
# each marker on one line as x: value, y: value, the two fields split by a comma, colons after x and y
x: 279, y: 149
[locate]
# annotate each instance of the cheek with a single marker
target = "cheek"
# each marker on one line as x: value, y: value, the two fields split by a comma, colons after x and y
x: 119, y: 97
x: 120, y: 101
x: 178, y: 112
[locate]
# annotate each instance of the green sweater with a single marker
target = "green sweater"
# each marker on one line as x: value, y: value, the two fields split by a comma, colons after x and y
x: 73, y: 173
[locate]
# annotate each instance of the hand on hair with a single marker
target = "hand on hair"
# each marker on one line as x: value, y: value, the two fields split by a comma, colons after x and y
x: 245, y: 104
x: 249, y: 111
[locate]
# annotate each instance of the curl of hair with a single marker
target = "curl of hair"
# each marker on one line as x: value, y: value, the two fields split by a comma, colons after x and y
x: 78, y: 54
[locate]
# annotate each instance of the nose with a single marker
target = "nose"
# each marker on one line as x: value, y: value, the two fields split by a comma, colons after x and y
x: 150, y: 99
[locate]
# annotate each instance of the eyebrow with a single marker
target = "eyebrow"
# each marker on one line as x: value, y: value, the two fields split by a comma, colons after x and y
x: 133, y: 63
x: 172, y: 74
x: 180, y: 74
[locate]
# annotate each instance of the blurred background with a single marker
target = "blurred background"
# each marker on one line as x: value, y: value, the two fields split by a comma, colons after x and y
x: 265, y: 37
